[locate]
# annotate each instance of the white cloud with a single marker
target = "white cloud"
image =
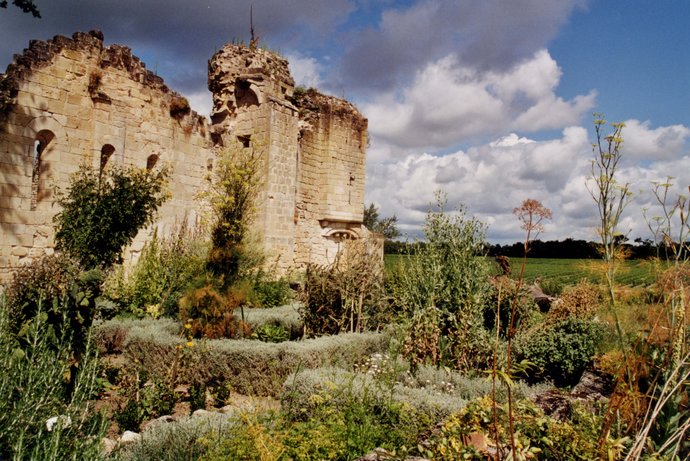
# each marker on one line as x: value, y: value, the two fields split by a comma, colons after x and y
x: 448, y: 103
x: 493, y: 178
x: 200, y: 101
x: 645, y: 143
x: 305, y: 70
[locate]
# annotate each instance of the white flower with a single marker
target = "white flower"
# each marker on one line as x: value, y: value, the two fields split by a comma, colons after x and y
x: 64, y: 420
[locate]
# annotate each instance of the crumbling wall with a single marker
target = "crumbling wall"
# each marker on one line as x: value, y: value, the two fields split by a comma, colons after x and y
x: 67, y: 101
x: 313, y: 148
x: 330, y: 202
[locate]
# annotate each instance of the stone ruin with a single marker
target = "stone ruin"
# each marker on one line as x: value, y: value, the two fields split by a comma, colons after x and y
x: 67, y: 101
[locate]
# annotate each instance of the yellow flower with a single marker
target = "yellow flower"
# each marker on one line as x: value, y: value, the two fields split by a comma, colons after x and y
x: 188, y: 326
x: 190, y: 344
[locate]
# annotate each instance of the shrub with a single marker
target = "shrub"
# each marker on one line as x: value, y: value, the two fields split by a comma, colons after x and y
x: 184, y: 440
x: 102, y: 212
x: 234, y: 186
x: 248, y: 367
x: 167, y: 268
x: 287, y: 316
x: 179, y: 107
x: 57, y: 288
x: 271, y: 333
x: 308, y: 392
x: 537, y: 436
x: 270, y: 293
x: 210, y: 315
x: 362, y: 412
x: 581, y: 301
x: 142, y: 398
x: 441, y: 292
x: 502, y: 295
x: 562, y: 350
x: 33, y: 389
x: 347, y: 295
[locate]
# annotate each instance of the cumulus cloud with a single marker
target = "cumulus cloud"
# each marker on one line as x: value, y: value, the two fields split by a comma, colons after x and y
x: 449, y: 102
x: 486, y: 34
x: 305, y: 70
x: 644, y: 143
x: 493, y: 178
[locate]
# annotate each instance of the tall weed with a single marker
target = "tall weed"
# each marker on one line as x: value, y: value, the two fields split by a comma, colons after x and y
x: 33, y: 389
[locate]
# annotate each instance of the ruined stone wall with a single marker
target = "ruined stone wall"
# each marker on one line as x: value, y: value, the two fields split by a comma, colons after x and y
x: 313, y: 147
x: 75, y: 101
x: 331, y: 177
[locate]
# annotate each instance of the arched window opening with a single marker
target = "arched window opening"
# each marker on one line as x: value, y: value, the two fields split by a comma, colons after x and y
x: 106, y: 152
x: 246, y: 141
x: 43, y: 140
x: 244, y: 95
x: 151, y: 162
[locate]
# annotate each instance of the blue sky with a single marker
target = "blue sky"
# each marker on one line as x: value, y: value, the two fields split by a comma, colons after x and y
x: 488, y: 100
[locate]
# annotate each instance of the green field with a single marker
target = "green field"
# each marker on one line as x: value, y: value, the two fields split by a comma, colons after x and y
x: 570, y: 271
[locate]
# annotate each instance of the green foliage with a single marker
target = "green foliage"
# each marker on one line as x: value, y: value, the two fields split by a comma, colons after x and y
x: 33, y: 389
x: 561, y: 351
x: 197, y: 396
x: 102, y: 213
x: 441, y: 292
x: 142, y: 399
x: 287, y: 316
x: 271, y: 333
x: 167, y: 268
x: 270, y: 293
x: 385, y: 226
x: 347, y: 295
x: 503, y: 294
x: 582, y: 301
x: 183, y: 441
x: 211, y: 315
x: 247, y: 366
x: 537, y: 436
x: 234, y: 187
x: 55, y: 287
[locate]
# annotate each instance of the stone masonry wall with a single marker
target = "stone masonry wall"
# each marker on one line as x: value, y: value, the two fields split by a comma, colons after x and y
x: 72, y: 100
x: 78, y: 101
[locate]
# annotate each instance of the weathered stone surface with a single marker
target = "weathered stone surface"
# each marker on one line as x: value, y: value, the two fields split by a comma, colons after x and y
x: 75, y: 100
x: 160, y: 421
x: 129, y: 437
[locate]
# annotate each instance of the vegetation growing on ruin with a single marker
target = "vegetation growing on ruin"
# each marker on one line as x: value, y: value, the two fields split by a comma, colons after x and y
x: 393, y: 358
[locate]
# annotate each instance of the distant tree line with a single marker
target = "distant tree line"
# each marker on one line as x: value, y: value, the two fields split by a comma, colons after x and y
x: 566, y: 249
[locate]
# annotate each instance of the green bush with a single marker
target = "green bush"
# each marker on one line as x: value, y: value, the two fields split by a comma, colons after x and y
x: 307, y: 393
x: 33, y: 389
x: 270, y: 293
x: 287, y: 316
x: 143, y: 400
x: 504, y: 289
x: 271, y: 333
x: 441, y: 291
x: 57, y: 287
x: 102, y: 212
x: 231, y: 199
x: 537, y: 436
x: 561, y: 351
x: 185, y: 440
x: 167, y: 268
